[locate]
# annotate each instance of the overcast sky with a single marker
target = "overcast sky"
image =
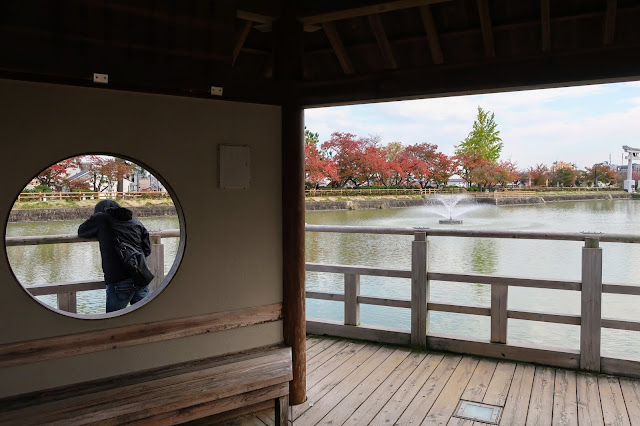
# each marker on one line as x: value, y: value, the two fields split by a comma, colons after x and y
x: 581, y: 125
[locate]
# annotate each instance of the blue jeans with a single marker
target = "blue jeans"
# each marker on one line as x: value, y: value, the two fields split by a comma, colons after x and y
x: 121, y: 293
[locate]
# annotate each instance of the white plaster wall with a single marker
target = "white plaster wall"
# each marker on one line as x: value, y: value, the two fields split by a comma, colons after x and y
x: 233, y: 252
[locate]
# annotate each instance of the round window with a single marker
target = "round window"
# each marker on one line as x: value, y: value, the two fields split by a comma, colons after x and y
x: 95, y: 236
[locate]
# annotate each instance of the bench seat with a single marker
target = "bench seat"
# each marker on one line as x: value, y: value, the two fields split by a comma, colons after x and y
x: 168, y: 395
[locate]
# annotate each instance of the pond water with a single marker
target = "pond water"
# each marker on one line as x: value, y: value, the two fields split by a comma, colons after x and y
x: 54, y: 263
x: 560, y: 260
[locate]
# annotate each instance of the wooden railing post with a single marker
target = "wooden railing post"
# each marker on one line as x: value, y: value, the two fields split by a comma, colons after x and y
x: 591, y: 305
x: 499, y: 297
x: 156, y: 262
x: 419, y: 290
x: 67, y: 302
x: 351, y: 305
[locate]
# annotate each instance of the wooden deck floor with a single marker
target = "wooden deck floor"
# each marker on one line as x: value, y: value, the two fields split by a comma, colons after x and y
x: 356, y: 383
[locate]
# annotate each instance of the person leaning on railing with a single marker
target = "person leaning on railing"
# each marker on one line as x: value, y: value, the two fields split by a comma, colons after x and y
x: 109, y: 221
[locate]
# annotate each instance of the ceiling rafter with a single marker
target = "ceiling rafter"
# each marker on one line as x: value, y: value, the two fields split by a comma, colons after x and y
x: 432, y: 35
x: 610, y: 21
x: 338, y: 47
x: 545, y: 19
x: 383, y: 41
x: 240, y: 42
x: 366, y: 10
x: 487, y: 30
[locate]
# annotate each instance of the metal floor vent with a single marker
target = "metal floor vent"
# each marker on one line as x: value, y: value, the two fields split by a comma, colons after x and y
x: 480, y: 412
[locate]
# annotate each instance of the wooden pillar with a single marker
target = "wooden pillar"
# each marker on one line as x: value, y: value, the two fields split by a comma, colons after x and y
x: 591, y: 306
x: 351, y: 305
x: 419, y: 290
x: 288, y: 69
x: 499, y: 296
x: 68, y: 302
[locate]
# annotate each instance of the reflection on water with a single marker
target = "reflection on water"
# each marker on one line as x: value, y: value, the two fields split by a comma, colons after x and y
x: 517, y: 258
x: 55, y: 263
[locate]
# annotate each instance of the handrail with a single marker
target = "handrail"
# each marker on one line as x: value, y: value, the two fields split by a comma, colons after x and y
x: 590, y: 287
x: 71, y: 238
x: 526, y: 235
x: 59, y: 195
x: 67, y: 291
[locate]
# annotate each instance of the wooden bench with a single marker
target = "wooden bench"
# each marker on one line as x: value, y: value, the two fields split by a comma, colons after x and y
x: 169, y: 395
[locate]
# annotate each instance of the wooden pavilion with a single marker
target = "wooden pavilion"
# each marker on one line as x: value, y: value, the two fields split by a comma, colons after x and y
x: 167, y: 82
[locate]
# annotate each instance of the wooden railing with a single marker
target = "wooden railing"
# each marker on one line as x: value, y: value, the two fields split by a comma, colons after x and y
x: 89, y: 195
x: 67, y: 291
x: 504, y: 194
x: 340, y: 192
x: 590, y: 287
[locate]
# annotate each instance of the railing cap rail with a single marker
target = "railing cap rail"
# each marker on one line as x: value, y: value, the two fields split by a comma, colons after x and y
x: 442, y: 232
x: 73, y: 238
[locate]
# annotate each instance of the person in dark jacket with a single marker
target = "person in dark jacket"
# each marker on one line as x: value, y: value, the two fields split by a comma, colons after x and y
x: 108, y: 221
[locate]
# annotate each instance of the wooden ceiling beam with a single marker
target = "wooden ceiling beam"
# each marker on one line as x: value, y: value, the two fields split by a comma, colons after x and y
x: 610, y: 21
x: 487, y: 30
x: 338, y: 47
x: 545, y: 19
x: 366, y: 10
x: 240, y: 42
x: 432, y: 35
x: 383, y: 41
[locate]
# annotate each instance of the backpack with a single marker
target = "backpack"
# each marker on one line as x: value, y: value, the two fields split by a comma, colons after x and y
x: 135, y: 263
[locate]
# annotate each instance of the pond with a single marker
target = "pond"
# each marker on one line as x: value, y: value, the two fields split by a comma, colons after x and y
x: 559, y: 260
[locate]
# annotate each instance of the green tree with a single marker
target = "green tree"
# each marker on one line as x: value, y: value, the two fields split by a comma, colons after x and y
x: 484, y: 140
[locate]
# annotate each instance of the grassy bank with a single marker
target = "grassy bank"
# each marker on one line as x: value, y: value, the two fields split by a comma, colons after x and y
x: 67, y: 204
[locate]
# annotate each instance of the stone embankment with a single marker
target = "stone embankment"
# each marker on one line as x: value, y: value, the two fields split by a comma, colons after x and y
x: 395, y: 203
x: 45, y: 215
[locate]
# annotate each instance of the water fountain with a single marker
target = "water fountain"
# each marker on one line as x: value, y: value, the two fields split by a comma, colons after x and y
x: 450, y: 206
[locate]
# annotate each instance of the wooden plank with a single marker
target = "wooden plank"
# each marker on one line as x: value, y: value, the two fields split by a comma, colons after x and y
x: 518, y: 282
x: 240, y: 42
x: 631, y: 392
x: 337, y: 46
x: 500, y: 384
x: 322, y: 406
x: 358, y: 270
x: 432, y: 34
x: 67, y: 302
x: 71, y: 238
x: 419, y: 290
x: 336, y: 297
x: 233, y: 414
x: 357, y: 362
x: 351, y: 293
x: 392, y: 336
x: 499, y: 298
x: 156, y: 263
x: 459, y: 309
x: 420, y: 405
x: 621, y: 289
x: 517, y: 404
x: 589, y: 408
x: 266, y: 416
x: 541, y: 403
x: 383, y: 42
x: 366, y: 10
x: 393, y: 409
x: 311, y: 341
x: 614, y: 410
x: 545, y: 317
x: 282, y: 411
x: 477, y: 386
x: 319, y: 348
x: 487, y: 30
x: 65, y: 287
x: 545, y: 20
x: 319, y: 373
x: 591, y: 306
x: 347, y: 405
x: 447, y: 401
x: 565, y: 403
x: 324, y: 356
x: 621, y: 324
x: 540, y: 355
x: 610, y: 22
x: 376, y: 400
x: 383, y: 301
x: 81, y: 343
